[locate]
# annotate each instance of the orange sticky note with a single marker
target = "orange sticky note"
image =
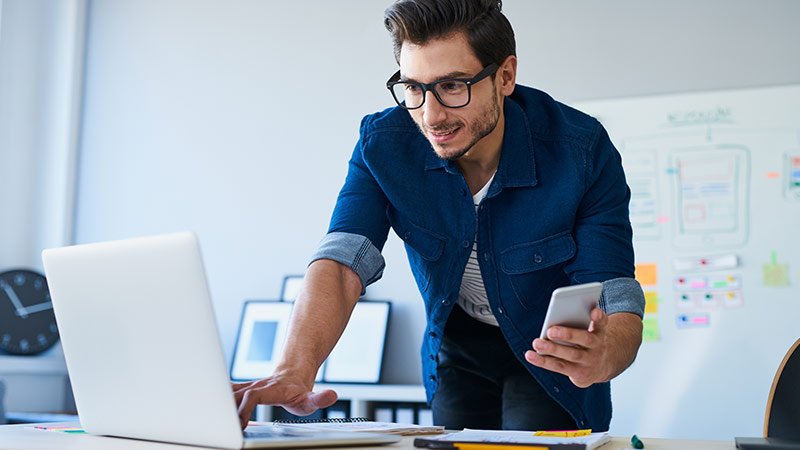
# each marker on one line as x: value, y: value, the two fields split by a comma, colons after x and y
x: 773, y: 175
x: 646, y: 274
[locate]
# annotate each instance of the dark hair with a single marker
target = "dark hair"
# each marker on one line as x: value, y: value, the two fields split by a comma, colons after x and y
x: 419, y: 21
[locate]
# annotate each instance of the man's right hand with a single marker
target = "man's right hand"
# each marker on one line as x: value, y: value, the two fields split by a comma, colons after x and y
x: 282, y: 390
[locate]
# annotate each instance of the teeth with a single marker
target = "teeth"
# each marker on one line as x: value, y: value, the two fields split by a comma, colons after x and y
x: 444, y: 134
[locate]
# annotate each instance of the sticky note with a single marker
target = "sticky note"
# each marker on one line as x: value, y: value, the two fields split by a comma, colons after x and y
x: 650, y: 302
x: 776, y: 275
x: 650, y: 329
x: 773, y: 175
x: 646, y: 274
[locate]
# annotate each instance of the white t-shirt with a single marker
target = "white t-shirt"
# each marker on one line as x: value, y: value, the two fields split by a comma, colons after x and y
x: 472, y: 295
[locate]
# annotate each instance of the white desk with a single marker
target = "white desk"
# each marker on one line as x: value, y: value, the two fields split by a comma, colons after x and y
x: 23, y: 437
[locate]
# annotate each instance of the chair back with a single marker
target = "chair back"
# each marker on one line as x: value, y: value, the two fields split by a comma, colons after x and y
x: 782, y: 419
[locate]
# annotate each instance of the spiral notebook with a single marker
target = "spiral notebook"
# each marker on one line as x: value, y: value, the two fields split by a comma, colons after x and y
x: 361, y: 424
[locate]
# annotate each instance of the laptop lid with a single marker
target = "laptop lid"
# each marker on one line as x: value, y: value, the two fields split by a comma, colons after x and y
x: 141, y: 343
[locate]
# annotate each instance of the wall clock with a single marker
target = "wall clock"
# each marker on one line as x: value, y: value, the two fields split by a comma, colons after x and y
x: 27, y: 321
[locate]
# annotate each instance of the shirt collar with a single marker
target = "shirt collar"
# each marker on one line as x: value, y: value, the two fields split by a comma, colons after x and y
x: 517, y: 166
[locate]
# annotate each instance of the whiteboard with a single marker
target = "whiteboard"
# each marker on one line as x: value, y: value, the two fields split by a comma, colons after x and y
x: 715, y: 207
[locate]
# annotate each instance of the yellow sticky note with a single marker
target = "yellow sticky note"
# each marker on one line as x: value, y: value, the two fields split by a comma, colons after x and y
x: 650, y: 330
x: 776, y: 274
x: 646, y: 274
x: 650, y: 303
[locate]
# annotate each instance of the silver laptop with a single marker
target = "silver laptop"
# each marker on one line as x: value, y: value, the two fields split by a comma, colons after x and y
x: 143, y: 351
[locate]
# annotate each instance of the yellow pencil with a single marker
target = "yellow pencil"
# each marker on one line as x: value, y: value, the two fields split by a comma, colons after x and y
x: 465, y: 446
x: 564, y: 433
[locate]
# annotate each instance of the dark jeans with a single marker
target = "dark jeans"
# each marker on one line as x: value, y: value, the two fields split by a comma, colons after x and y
x: 482, y: 385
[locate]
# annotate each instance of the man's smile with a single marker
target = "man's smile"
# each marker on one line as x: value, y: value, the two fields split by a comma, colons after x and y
x: 441, y: 136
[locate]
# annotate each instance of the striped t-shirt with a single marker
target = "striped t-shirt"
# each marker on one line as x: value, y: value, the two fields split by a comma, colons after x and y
x: 472, y: 295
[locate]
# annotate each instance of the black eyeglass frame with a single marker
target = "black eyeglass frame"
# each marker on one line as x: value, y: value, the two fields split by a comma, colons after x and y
x: 395, y: 80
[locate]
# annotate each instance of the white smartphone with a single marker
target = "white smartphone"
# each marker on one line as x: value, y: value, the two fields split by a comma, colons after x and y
x: 572, y: 306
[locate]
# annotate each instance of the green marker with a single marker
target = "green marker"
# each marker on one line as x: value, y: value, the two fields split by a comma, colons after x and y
x: 636, y: 442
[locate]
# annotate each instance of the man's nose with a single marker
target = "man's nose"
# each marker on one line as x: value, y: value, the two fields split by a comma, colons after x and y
x: 433, y: 113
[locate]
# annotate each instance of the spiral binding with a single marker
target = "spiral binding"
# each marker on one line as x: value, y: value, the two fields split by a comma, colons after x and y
x: 332, y: 420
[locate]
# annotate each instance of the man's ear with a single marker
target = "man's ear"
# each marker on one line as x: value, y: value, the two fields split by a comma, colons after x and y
x: 508, y: 75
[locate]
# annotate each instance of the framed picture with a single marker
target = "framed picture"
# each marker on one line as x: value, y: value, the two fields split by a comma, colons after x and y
x: 291, y: 287
x: 261, y: 337
x: 358, y: 355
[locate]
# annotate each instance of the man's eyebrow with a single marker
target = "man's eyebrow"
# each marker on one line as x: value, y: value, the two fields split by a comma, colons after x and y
x: 456, y: 74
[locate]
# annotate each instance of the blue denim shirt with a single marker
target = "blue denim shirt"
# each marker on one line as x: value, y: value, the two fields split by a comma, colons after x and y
x: 556, y: 214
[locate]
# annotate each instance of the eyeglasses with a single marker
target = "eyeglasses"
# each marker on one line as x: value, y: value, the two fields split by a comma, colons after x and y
x: 451, y: 92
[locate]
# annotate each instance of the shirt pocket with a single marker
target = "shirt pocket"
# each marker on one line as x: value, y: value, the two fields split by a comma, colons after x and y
x: 424, y: 247
x: 536, y: 268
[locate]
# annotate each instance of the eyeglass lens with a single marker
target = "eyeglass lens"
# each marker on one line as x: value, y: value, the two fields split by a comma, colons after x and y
x: 451, y: 93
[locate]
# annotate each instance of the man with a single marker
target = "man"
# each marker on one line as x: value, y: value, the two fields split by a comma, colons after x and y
x: 501, y: 195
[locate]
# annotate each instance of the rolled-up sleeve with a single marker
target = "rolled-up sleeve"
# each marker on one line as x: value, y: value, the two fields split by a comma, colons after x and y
x: 622, y: 295
x: 354, y: 251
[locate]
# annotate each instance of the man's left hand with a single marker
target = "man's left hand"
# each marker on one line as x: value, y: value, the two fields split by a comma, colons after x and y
x: 585, y: 362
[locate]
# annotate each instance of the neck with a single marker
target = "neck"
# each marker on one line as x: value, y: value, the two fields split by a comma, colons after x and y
x: 481, y: 161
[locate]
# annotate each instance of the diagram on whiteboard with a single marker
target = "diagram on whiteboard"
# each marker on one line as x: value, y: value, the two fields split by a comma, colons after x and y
x: 791, y: 187
x: 710, y: 192
x: 715, y: 211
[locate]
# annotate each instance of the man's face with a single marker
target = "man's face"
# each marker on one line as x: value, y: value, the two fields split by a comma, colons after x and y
x: 451, y: 131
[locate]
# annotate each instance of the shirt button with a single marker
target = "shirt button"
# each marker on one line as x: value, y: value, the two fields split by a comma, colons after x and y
x: 432, y: 377
x: 501, y: 311
x: 555, y: 388
x: 446, y: 302
x: 432, y: 334
x: 537, y: 258
x: 407, y: 235
x: 465, y: 243
x: 433, y: 357
x: 485, y: 256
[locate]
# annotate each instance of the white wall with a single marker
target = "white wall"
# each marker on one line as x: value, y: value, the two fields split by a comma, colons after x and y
x: 236, y: 119
x: 41, y: 48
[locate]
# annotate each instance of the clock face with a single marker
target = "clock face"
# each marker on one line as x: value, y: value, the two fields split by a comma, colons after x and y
x: 27, y: 321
